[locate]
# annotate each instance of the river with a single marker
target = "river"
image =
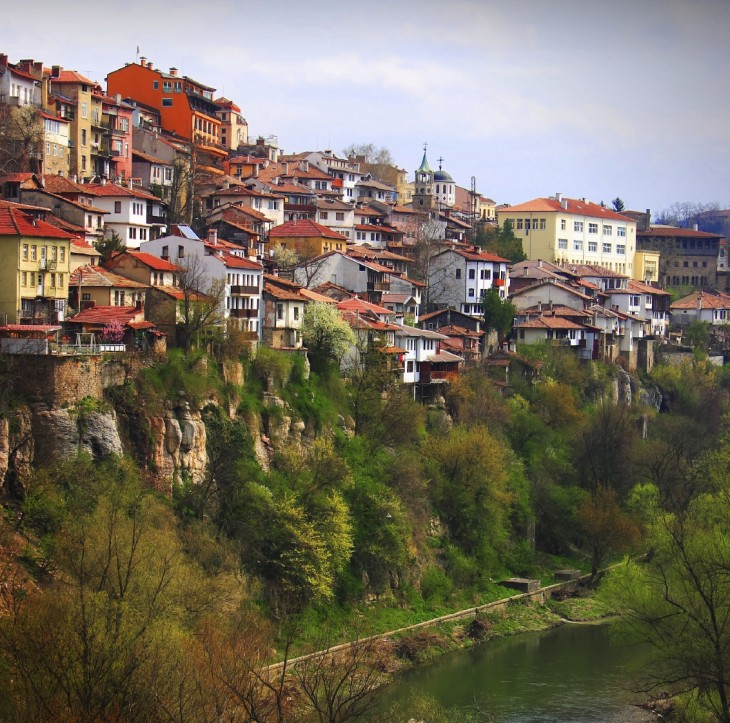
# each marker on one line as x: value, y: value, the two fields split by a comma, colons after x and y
x: 573, y: 673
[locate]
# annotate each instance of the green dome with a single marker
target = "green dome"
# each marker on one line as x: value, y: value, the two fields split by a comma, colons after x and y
x: 442, y: 176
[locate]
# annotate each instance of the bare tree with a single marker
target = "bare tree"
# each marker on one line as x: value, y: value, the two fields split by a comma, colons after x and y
x: 201, y: 306
x: 21, y: 138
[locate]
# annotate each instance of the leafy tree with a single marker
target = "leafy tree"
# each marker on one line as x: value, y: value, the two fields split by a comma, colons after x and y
x: 605, y: 526
x: 21, y: 137
x: 325, y: 333
x: 110, y: 244
x: 377, y: 161
x: 697, y: 335
x: 618, y: 204
x: 498, y: 313
x: 679, y: 601
x: 500, y: 240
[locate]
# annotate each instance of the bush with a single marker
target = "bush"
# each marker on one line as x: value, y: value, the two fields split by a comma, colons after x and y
x: 435, y: 585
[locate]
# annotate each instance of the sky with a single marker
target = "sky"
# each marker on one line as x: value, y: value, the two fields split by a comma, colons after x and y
x: 590, y: 99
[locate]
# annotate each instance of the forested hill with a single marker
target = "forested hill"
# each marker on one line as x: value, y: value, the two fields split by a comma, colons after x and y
x: 172, y: 524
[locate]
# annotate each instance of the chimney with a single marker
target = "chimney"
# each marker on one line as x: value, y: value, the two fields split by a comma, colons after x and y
x: 3, y: 60
x: 55, y: 71
x: 118, y: 97
x: 143, y: 61
x: 130, y: 183
x: 699, y: 302
x: 558, y: 197
x: 173, y: 72
x: 539, y: 307
x: 695, y: 227
x: 304, y: 166
x: 565, y: 203
x: 539, y: 263
x: 149, y: 65
x: 213, y: 236
x: 286, y: 168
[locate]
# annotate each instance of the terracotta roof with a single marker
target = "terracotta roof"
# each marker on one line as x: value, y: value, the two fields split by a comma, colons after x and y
x: 548, y: 322
x: 114, y: 189
x: 40, y: 328
x: 304, y: 228
x: 99, y: 276
x: 594, y: 270
x: 150, y: 159
x: 575, y: 207
x: 14, y: 222
x: 555, y: 310
x: 356, y: 305
x: 564, y: 287
x: 281, y: 293
x: 176, y: 292
x: 369, y: 252
x: 643, y: 288
x: 78, y: 246
x: 105, y: 314
x: 71, y: 76
x: 153, y: 262
x: 702, y: 298
x: 476, y: 255
x: 674, y: 231
x: 237, y: 262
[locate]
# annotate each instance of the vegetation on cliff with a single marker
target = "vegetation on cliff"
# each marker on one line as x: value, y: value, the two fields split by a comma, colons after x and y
x: 325, y: 505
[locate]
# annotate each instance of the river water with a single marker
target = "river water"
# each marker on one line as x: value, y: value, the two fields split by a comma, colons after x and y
x: 573, y: 673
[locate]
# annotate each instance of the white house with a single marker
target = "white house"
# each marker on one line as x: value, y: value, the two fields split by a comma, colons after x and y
x: 130, y: 212
x: 459, y: 277
x: 243, y: 277
x: 711, y: 307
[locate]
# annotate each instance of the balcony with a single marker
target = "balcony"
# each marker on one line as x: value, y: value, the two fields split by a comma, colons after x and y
x: 245, y: 290
x: 118, y: 132
x: 499, y: 282
x: 68, y: 115
x: 46, y: 265
x: 244, y: 313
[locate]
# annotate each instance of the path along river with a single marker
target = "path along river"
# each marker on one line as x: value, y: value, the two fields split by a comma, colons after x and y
x: 573, y: 673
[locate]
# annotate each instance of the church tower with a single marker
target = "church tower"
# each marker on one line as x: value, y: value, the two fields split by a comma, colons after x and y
x: 423, y: 188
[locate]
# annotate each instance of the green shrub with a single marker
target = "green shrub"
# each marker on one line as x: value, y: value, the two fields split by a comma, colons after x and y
x: 435, y: 585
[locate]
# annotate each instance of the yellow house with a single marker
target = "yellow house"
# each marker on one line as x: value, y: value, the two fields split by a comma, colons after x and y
x: 307, y: 238
x: 34, y: 269
x: 646, y: 267
x: 573, y: 231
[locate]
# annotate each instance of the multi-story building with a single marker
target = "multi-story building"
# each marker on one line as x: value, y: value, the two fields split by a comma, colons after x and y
x: 574, y: 231
x: 234, y: 128
x: 307, y: 238
x: 34, y: 268
x: 459, y: 278
x: 134, y: 214
x: 186, y: 106
x: 55, y: 144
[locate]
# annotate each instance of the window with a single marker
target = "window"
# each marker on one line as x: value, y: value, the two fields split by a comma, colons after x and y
x: 155, y: 85
x: 606, y: 248
x: 24, y: 278
x: 166, y: 86
x: 83, y: 136
x: 519, y: 224
x: 84, y: 110
x: 117, y: 206
x: 458, y: 273
x: 143, y: 234
x: 181, y: 252
x: 339, y: 216
x: 53, y: 281
x: 543, y: 224
x: 178, y: 88
x: 273, y: 205
x: 48, y: 148
x: 562, y: 224
x: 280, y: 312
x: 534, y: 224
x: 592, y: 247
x: 472, y: 274
x: 166, y: 252
x: 83, y: 163
x: 25, y: 252
x: 620, y: 249
x: 577, y: 245
x: 634, y: 300
x: 324, y: 215
x: 33, y: 252
x: 592, y: 228
x: 295, y: 313
x: 578, y: 226
x: 485, y: 274
x: 54, y: 253
x: 471, y: 292
x: 607, y: 230
x: 132, y: 232
x: 562, y: 243
x: 621, y: 230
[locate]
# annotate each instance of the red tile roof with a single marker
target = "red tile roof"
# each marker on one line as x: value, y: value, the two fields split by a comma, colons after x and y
x: 71, y: 76
x: 548, y: 322
x: 14, y: 222
x: 304, y: 228
x: 471, y: 255
x: 113, y: 189
x: 674, y: 232
x: 153, y: 262
x: 576, y: 207
x: 706, y: 301
x: 105, y: 314
x: 237, y: 262
x: 356, y: 305
x: 98, y: 276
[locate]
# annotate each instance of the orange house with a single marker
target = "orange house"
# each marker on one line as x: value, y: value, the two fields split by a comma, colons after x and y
x: 186, y: 107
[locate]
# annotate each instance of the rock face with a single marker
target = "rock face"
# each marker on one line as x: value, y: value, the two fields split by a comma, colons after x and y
x: 60, y: 433
x: 174, y: 444
x: 16, y: 450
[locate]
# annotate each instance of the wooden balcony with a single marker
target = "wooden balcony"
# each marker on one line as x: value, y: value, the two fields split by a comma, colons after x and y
x: 244, y: 313
x: 245, y: 290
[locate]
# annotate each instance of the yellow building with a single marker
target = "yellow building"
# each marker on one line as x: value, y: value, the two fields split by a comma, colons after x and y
x: 34, y: 269
x: 573, y: 231
x: 646, y: 267
x: 306, y: 238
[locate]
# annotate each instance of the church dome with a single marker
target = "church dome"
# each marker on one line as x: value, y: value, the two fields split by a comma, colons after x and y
x: 442, y: 176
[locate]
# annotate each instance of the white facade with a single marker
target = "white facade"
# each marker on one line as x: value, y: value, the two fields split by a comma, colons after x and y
x: 459, y: 279
x: 243, y: 278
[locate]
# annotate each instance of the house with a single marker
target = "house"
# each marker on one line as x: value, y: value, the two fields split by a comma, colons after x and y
x: 548, y: 292
x: 100, y: 325
x: 134, y: 214
x: 646, y: 302
x: 506, y: 366
x: 283, y: 310
x: 83, y: 254
x: 186, y: 106
x: 426, y: 361
x: 712, y: 307
x: 104, y: 288
x: 234, y: 128
x: 307, y: 238
x: 337, y: 216
x: 459, y: 277
x: 576, y: 231
x: 34, y: 268
x: 145, y: 268
x: 215, y: 264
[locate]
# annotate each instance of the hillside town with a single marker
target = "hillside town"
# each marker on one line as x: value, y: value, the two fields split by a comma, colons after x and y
x: 140, y: 215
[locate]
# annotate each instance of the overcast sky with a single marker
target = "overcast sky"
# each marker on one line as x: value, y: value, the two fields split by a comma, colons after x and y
x: 592, y: 99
